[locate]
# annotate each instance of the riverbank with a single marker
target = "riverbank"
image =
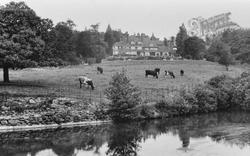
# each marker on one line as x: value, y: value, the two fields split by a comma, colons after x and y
x: 221, y: 93
x: 194, y: 132
x: 45, y: 112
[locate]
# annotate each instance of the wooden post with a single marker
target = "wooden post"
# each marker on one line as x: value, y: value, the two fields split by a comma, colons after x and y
x: 6, y: 74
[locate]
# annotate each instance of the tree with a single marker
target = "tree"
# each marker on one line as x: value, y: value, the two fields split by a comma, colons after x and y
x: 220, y: 52
x: 62, y: 42
x: 226, y: 58
x: 214, y: 51
x: 109, y: 38
x: 194, y: 48
x: 124, y: 98
x: 90, y: 44
x: 180, y: 39
x: 20, y: 37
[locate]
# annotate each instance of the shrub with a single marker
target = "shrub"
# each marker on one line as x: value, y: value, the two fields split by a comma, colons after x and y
x: 148, y: 112
x: 124, y: 98
x: 241, y: 92
x: 206, y: 99
x: 217, y: 80
x: 190, y: 99
x: 223, y: 87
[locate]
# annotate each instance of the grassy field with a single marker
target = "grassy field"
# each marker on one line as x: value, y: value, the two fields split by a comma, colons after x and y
x: 63, y: 81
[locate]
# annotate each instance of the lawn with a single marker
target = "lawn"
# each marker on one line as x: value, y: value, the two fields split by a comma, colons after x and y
x: 63, y: 81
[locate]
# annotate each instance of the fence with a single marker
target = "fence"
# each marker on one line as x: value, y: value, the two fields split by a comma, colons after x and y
x: 86, y: 94
x: 161, y: 94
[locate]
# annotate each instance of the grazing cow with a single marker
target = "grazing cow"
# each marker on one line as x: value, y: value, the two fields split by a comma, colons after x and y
x: 182, y: 72
x: 100, y: 70
x: 158, y: 70
x: 170, y: 73
x: 151, y: 72
x: 86, y: 81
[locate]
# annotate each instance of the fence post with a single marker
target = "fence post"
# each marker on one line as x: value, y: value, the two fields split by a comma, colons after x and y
x: 158, y: 95
x: 90, y: 96
x: 162, y: 93
x: 100, y: 97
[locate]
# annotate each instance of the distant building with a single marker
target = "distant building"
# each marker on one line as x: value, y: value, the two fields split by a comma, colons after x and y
x: 203, y: 28
x: 141, y: 45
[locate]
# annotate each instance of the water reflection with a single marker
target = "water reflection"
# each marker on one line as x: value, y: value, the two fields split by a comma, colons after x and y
x: 124, y: 140
x: 130, y: 139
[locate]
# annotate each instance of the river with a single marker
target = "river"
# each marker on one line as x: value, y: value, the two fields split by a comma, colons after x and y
x: 216, y: 134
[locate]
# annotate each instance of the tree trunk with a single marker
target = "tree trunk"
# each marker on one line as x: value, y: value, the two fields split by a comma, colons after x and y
x: 6, y: 74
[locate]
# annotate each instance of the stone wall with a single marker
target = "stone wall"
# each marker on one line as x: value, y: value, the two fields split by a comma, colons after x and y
x: 22, y: 111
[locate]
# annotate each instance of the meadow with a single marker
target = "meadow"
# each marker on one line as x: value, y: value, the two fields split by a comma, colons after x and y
x: 62, y: 81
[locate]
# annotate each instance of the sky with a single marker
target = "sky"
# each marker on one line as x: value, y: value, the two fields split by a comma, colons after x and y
x: 161, y: 17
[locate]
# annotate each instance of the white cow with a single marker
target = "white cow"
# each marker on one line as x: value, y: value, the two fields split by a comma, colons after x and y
x: 86, y: 81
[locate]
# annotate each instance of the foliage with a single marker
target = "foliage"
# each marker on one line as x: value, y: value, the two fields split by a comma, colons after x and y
x: 220, y: 52
x: 226, y: 58
x: 194, y: 48
x: 124, y: 140
x: 206, y: 99
x: 110, y: 37
x: 124, y: 97
x: 223, y: 87
x: 148, y: 112
x: 238, y: 42
x: 180, y: 39
x: 61, y: 43
x: 88, y: 44
x: 21, y: 41
x: 241, y: 92
x: 214, y: 51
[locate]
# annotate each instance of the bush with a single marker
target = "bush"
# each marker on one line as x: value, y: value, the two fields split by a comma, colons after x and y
x: 223, y: 87
x: 191, y: 100
x: 124, y: 98
x: 206, y: 99
x: 178, y: 104
x: 241, y: 92
x: 148, y: 112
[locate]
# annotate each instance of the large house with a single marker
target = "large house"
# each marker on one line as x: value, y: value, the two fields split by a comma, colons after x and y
x: 141, y: 45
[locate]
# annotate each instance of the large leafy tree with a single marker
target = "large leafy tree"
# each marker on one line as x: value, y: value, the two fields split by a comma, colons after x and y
x: 239, y: 42
x: 90, y: 44
x: 220, y: 52
x: 180, y: 39
x: 214, y: 51
x: 21, y: 33
x: 62, y: 42
x: 194, y: 48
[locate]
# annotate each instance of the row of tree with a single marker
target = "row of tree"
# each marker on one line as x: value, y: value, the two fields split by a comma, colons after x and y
x: 225, y: 48
x: 27, y: 40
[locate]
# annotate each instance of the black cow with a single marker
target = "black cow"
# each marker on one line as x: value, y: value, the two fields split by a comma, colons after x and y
x: 86, y: 81
x: 158, y: 70
x: 170, y: 73
x: 182, y: 72
x: 100, y: 70
x: 151, y: 72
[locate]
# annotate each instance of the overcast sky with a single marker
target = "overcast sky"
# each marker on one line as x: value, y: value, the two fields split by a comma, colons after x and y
x: 161, y: 17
